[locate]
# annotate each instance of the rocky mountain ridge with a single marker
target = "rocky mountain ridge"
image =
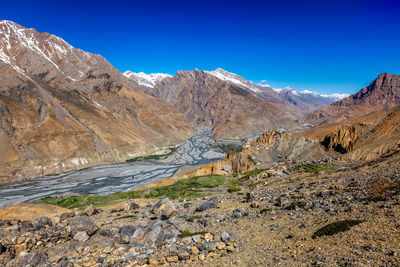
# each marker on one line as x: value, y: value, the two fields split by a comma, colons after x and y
x: 382, y: 94
x: 62, y: 108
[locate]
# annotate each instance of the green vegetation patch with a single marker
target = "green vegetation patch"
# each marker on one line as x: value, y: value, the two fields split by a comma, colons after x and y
x: 125, y: 217
x: 186, y: 188
x: 251, y: 159
x: 312, y: 168
x: 246, y: 175
x: 171, y: 150
x: 233, y: 188
x: 293, y: 205
x: 192, y: 218
x: 230, y: 147
x: 188, y: 233
x: 336, y: 227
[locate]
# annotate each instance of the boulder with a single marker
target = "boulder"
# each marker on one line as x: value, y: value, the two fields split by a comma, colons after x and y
x: 67, y: 215
x: 31, y: 260
x: 2, y: 248
x: 132, y: 204
x: 228, y: 237
x: 81, y: 236
x: 163, y: 209
x: 126, y: 233
x: 42, y: 222
x: 209, y: 204
x: 91, y: 210
x: 154, y: 234
x: 238, y: 213
x: 149, y: 235
x: 26, y: 226
x: 82, y: 223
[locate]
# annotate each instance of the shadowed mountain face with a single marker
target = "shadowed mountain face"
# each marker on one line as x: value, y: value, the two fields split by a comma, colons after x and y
x: 308, y: 101
x: 62, y: 108
x: 228, y: 109
x: 383, y: 93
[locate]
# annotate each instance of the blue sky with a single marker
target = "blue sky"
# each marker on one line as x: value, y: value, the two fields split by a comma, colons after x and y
x: 324, y: 46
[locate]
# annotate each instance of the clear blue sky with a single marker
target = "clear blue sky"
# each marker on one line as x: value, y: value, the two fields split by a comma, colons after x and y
x: 325, y: 46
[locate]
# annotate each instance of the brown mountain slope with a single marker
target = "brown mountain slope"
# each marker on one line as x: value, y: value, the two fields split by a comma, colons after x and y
x: 62, y: 108
x: 229, y: 110
x: 383, y: 93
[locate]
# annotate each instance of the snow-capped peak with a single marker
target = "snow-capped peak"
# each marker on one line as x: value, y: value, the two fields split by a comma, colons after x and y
x: 309, y: 92
x: 148, y: 80
x: 15, y: 38
x: 286, y: 89
x: 332, y: 96
x: 233, y: 78
x: 336, y: 96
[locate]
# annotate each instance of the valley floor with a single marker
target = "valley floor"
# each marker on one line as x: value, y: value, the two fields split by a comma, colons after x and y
x: 266, y: 220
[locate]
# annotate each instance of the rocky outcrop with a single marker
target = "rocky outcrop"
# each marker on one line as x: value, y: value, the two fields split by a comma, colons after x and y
x: 361, y: 139
x: 342, y: 140
x: 62, y: 109
x: 270, y: 148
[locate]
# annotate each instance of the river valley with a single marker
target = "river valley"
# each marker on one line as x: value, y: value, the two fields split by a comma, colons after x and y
x: 106, y: 179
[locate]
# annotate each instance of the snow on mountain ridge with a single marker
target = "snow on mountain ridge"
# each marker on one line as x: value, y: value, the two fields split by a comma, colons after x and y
x: 16, y: 39
x: 233, y: 78
x: 150, y: 80
x: 144, y: 79
x: 335, y: 96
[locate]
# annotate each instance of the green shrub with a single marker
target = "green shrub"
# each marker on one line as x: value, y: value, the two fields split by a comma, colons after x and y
x: 227, y: 148
x: 125, y: 217
x: 233, y: 188
x: 312, y: 167
x: 187, y: 233
x: 251, y: 159
x: 293, y: 205
x: 171, y: 150
x: 336, y: 227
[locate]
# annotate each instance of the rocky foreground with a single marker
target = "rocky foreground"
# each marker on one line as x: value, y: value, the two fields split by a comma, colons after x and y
x: 321, y: 215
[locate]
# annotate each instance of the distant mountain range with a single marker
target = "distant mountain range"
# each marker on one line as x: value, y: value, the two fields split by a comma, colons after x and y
x: 151, y: 80
x: 228, y: 104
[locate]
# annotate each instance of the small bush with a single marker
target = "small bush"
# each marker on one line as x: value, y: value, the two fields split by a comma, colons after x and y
x: 251, y: 159
x: 311, y: 167
x: 265, y: 210
x: 187, y: 233
x: 192, y: 218
x: 293, y: 205
x: 382, y: 189
x: 246, y: 175
x: 227, y: 148
x: 125, y: 217
x: 171, y: 150
x: 336, y: 227
x: 233, y: 188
